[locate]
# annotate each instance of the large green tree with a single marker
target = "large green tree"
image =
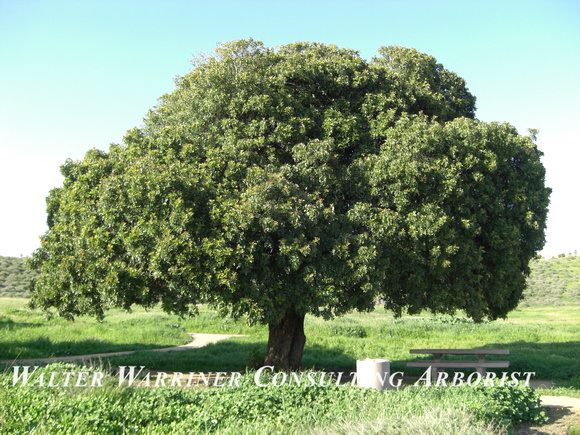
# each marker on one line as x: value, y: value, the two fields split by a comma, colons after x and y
x: 273, y: 183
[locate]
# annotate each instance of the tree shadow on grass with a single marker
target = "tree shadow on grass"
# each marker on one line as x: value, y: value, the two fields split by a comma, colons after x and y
x: 10, y: 325
x: 556, y: 361
x: 321, y: 357
x: 233, y: 354
x: 45, y: 347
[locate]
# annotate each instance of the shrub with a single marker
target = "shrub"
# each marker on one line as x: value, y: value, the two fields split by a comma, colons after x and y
x: 349, y: 331
x: 513, y: 405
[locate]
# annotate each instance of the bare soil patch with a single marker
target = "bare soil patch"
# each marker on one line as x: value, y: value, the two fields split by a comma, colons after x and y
x: 563, y: 412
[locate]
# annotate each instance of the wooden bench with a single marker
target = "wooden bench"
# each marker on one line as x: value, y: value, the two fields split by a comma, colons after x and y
x: 481, y: 365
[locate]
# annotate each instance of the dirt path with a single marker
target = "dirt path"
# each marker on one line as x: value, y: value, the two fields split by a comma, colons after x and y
x: 199, y: 340
x: 561, y: 401
x: 562, y: 412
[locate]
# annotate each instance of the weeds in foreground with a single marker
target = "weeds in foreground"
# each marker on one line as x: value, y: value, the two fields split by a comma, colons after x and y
x: 249, y: 408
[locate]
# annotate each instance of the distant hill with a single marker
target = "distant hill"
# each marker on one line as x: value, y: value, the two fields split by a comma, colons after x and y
x: 553, y: 281
x: 14, y: 277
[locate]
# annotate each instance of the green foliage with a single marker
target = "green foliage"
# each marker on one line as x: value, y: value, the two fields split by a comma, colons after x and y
x: 349, y: 331
x: 301, y: 177
x: 552, y: 281
x: 574, y: 382
x: 512, y: 405
x: 244, y: 409
x: 426, y: 86
x: 15, y: 278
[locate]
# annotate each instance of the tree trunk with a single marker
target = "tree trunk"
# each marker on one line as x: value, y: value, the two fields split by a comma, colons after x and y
x: 286, y: 341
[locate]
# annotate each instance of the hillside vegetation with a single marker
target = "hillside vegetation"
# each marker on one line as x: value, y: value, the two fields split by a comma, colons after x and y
x: 15, y: 277
x: 554, y: 281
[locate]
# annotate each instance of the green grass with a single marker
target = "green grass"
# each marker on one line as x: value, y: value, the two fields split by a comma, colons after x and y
x: 562, y: 391
x: 25, y: 333
x: 540, y: 339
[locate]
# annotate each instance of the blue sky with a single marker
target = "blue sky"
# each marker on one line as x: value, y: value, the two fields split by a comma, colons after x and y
x: 77, y: 74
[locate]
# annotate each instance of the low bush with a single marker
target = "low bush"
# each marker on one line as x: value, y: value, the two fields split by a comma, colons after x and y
x: 348, y: 331
x: 512, y: 405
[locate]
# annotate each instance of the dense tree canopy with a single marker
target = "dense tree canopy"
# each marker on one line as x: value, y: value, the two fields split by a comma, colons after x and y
x: 273, y: 183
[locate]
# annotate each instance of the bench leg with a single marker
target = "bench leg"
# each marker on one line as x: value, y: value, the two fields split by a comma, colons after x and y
x: 435, y: 370
x: 481, y: 370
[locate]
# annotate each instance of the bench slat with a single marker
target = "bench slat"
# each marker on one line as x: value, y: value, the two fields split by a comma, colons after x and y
x: 462, y: 351
x: 460, y: 364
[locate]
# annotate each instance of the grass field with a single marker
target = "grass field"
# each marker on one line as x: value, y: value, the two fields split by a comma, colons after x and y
x: 540, y: 339
x: 545, y: 340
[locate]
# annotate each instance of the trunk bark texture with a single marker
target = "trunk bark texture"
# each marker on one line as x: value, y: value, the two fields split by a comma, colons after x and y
x: 286, y: 341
